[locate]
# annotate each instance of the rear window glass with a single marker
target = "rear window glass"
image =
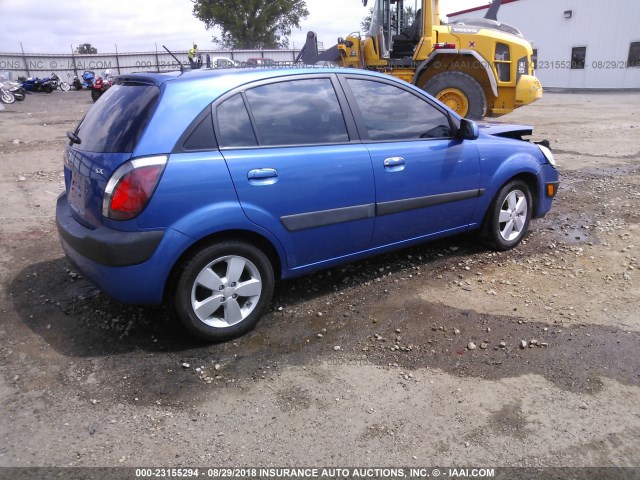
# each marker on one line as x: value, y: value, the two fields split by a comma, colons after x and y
x: 115, y: 123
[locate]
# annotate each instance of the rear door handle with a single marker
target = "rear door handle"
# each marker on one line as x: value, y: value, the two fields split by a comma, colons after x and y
x: 262, y: 176
x: 394, y: 164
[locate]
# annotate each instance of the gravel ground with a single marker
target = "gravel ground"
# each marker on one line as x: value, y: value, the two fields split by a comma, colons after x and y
x: 445, y: 354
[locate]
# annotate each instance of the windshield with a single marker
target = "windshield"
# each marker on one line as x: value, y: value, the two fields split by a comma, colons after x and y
x: 394, y: 18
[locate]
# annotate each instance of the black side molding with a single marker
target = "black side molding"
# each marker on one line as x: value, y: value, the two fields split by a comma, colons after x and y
x: 397, y: 206
x: 302, y: 221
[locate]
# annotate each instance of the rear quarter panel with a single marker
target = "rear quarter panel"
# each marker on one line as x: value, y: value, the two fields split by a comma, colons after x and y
x: 196, y: 197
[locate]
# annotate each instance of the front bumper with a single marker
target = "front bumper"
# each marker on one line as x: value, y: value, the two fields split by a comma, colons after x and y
x: 548, y: 177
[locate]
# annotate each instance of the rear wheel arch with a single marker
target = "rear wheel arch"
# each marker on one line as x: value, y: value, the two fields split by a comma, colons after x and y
x: 245, y: 236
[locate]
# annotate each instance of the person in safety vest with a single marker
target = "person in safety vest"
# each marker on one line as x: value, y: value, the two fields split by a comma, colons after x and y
x: 193, y: 51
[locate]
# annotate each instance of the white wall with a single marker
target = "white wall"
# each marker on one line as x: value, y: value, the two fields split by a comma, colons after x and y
x: 605, y: 27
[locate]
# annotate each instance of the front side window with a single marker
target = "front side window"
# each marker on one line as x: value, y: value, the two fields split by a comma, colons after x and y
x: 391, y: 113
x: 578, y: 55
x: 297, y: 112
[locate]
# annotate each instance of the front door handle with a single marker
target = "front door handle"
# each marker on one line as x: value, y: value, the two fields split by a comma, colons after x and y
x: 262, y: 176
x: 393, y: 164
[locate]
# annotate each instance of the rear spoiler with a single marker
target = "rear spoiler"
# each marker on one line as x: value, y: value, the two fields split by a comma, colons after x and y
x: 154, y: 79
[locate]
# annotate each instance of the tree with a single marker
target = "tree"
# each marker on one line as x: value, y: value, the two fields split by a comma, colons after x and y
x: 409, y: 17
x: 248, y: 24
x: 365, y: 23
x: 86, y: 48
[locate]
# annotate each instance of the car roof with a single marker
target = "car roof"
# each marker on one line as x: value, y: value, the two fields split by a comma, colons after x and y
x: 242, y: 75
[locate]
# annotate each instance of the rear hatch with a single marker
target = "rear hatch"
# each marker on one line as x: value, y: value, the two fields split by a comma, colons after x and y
x: 107, y: 136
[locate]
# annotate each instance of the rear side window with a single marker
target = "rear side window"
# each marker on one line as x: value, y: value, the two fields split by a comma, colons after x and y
x: 115, y: 124
x: 297, y: 112
x: 234, y: 124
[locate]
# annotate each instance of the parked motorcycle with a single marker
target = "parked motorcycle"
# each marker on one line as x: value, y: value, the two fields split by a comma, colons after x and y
x: 16, y: 89
x: 102, y: 84
x: 57, y: 82
x: 5, y: 95
x: 35, y: 84
x: 13, y: 87
x: 88, y: 77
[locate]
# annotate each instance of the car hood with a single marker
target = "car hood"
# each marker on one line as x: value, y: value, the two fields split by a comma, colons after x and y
x: 505, y: 129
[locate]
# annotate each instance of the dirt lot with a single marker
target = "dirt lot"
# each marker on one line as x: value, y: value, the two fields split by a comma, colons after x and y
x: 85, y: 381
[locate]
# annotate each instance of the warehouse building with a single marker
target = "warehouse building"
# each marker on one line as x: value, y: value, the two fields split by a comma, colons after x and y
x: 578, y: 44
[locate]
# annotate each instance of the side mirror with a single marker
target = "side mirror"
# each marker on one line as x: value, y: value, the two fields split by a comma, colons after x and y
x: 468, y: 129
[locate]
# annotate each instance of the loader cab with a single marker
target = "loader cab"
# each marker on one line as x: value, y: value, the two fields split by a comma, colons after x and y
x: 397, y: 26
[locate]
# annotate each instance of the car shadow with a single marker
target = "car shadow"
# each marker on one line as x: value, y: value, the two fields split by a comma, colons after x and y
x: 77, y: 320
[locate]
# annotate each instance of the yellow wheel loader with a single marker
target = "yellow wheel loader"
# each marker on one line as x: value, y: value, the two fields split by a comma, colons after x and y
x: 477, y: 66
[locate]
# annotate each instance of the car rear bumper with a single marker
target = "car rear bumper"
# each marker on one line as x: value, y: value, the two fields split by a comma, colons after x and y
x: 131, y: 267
x: 103, y: 245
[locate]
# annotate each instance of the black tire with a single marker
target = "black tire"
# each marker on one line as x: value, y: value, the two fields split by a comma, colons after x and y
x: 7, y: 97
x: 65, y: 87
x: 237, y: 304
x: 515, y: 204
x: 465, y: 83
x: 95, y: 94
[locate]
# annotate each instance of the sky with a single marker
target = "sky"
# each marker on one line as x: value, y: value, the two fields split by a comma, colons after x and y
x: 140, y: 25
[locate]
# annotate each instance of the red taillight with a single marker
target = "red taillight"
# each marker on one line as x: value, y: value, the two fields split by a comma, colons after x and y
x: 130, y: 188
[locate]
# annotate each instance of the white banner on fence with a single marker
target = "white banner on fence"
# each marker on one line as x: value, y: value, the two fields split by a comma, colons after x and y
x: 18, y: 65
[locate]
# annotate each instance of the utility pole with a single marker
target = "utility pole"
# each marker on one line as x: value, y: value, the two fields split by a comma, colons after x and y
x: 24, y: 58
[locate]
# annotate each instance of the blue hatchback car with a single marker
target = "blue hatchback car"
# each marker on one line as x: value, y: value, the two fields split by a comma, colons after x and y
x: 204, y: 188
